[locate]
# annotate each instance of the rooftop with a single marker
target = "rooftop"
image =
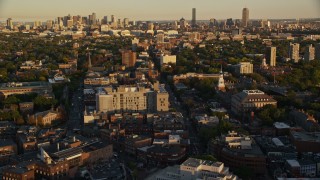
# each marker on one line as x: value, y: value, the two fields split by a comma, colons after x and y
x: 14, y: 85
x: 250, y: 92
x: 192, y: 162
x: 306, y: 136
x: 281, y: 125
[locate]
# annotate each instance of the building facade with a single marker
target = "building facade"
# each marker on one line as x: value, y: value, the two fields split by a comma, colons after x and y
x: 133, y: 99
x: 129, y: 58
x: 165, y: 59
x: 250, y: 100
x: 271, y: 55
x: 245, y: 17
x: 309, y: 54
x: 244, y: 68
x: 294, y: 52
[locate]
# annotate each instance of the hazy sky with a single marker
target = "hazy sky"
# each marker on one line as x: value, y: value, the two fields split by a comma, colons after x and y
x: 159, y: 9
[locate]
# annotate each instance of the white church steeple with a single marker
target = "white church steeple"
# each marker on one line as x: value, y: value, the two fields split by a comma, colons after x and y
x: 221, y: 85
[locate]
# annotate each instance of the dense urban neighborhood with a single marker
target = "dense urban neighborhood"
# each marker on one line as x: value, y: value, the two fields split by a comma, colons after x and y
x: 89, y: 98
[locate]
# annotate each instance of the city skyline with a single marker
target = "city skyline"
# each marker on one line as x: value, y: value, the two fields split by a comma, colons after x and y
x: 160, y: 10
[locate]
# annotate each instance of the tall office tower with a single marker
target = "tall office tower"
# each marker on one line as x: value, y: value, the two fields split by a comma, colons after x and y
x: 229, y: 22
x: 75, y: 19
x: 65, y: 20
x: 79, y: 19
x: 85, y: 20
x: 264, y: 23
x: 309, y: 54
x: 129, y: 58
x: 245, y: 17
x: 160, y: 38
x: 183, y: 23
x: 150, y: 26
x: 194, y: 21
x: 94, y: 19
x: 125, y: 22
x: 271, y: 55
x: 294, y: 52
x: 212, y: 22
x: 70, y: 23
x: 49, y: 24
x: 9, y: 24
x: 317, y: 51
x: 37, y: 23
x: 105, y: 20
x: 60, y: 21
x: 90, y: 19
x: 113, y: 19
x: 174, y: 25
x: 120, y: 23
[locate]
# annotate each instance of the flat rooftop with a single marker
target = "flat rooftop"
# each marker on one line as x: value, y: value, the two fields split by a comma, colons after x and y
x: 307, y: 136
x: 24, y: 85
x: 197, y: 162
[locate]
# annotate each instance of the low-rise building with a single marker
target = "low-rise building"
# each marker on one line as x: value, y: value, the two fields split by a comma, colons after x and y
x: 306, y: 141
x: 237, y: 151
x: 193, y: 169
x: 26, y: 107
x: 166, y: 59
x: 301, y: 168
x: 8, y: 147
x: 45, y: 118
x: 250, y: 100
x: 132, y: 143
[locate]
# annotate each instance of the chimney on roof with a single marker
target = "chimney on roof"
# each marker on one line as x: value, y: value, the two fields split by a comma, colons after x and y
x: 58, y: 146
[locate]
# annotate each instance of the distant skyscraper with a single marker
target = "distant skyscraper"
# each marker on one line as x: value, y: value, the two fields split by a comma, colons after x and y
x: 69, y: 23
x: 60, y: 21
x: 9, y: 24
x: 245, y: 17
x: 93, y: 19
x: 309, y: 54
x: 75, y: 19
x: 126, y: 22
x: 113, y: 19
x: 183, y: 23
x: 65, y: 20
x: 229, y: 22
x: 317, y: 51
x: 150, y: 26
x: 37, y: 23
x: 49, y: 24
x: 294, y: 52
x: 194, y: 21
x: 212, y: 23
x: 160, y: 38
x: 271, y: 55
x: 105, y: 20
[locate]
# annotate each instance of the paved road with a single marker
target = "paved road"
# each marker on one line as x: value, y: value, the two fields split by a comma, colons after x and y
x: 195, y: 146
x: 76, y: 109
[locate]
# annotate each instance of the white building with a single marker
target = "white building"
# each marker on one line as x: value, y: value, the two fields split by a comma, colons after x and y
x: 132, y: 99
x: 195, y: 169
x: 244, y: 68
x: 294, y: 52
x: 168, y: 59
